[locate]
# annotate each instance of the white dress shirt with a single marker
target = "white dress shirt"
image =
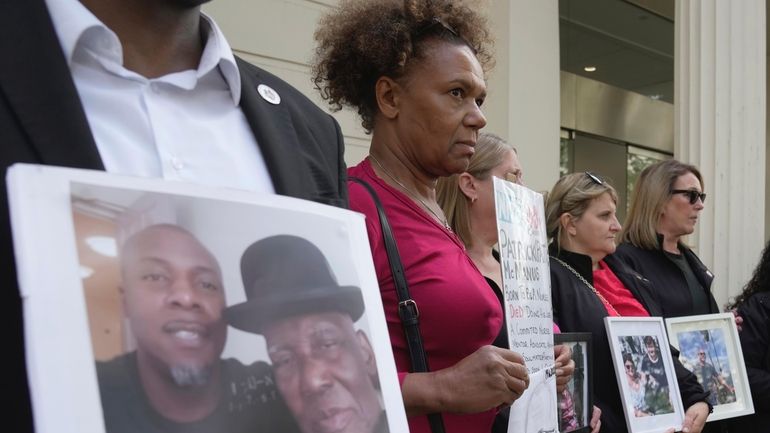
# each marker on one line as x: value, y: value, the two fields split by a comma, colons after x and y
x: 184, y: 126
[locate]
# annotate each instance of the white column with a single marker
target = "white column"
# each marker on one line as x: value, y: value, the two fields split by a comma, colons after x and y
x: 523, y: 102
x: 719, y: 127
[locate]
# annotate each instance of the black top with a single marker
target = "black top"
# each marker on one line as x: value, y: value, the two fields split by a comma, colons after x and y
x: 700, y: 301
x: 668, y: 282
x: 755, y: 342
x: 502, y: 338
x: 249, y: 401
x: 577, y: 309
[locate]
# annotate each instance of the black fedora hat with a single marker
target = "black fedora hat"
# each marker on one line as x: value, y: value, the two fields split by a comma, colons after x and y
x: 286, y: 276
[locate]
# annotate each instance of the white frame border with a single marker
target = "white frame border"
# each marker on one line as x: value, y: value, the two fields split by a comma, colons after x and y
x: 721, y: 411
x: 645, y: 326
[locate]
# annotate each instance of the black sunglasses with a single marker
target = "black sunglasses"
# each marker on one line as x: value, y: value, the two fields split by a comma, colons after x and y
x: 692, y: 195
x: 594, y: 178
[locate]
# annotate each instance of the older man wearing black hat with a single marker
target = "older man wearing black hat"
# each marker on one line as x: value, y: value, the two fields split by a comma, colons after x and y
x: 324, y: 368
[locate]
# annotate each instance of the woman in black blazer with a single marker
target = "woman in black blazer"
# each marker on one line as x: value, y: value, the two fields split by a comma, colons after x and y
x: 668, y: 198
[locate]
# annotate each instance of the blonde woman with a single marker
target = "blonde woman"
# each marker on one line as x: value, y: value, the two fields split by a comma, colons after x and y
x: 588, y: 283
x: 468, y: 202
x: 667, y: 201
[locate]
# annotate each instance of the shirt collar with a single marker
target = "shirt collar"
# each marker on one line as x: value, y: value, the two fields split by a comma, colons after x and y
x: 217, y: 52
x: 77, y: 27
x: 72, y: 20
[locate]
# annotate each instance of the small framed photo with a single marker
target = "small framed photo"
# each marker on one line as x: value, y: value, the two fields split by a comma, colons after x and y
x: 709, y: 347
x: 576, y: 401
x: 645, y: 372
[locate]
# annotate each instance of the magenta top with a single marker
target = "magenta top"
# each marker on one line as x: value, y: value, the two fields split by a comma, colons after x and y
x: 458, y: 311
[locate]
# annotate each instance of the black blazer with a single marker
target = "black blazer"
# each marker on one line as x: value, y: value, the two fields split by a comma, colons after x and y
x: 755, y: 342
x: 668, y: 282
x: 42, y: 121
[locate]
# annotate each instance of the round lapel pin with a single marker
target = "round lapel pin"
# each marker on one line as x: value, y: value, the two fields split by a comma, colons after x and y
x: 268, y: 94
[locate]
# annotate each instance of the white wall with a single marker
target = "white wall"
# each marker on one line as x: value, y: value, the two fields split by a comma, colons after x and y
x: 523, y: 102
x: 277, y: 35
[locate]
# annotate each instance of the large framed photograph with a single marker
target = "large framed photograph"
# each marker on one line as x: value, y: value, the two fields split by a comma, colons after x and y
x: 645, y: 370
x: 576, y: 401
x: 172, y: 307
x: 709, y: 347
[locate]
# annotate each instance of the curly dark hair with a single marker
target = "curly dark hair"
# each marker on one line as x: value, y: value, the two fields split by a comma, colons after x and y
x: 363, y: 40
x: 760, y: 280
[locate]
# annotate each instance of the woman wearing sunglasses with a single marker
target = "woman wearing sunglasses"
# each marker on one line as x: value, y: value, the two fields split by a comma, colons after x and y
x: 668, y: 198
x: 588, y: 283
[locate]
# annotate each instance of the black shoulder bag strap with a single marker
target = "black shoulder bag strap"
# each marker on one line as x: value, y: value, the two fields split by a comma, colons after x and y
x: 407, y: 308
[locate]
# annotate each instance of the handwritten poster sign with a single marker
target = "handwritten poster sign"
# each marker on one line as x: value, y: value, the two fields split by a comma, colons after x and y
x: 527, y: 289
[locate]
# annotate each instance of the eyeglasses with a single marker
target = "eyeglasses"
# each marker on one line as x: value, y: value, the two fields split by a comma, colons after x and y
x: 702, y: 353
x: 692, y: 195
x: 629, y: 366
x: 594, y: 178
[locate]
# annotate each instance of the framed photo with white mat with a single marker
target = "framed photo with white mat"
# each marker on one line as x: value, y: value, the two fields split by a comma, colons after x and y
x: 709, y: 346
x: 645, y: 370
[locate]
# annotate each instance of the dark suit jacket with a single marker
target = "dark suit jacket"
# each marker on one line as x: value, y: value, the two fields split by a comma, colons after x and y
x: 42, y: 122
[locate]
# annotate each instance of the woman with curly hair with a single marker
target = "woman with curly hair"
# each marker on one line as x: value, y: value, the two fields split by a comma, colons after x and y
x: 415, y: 73
x: 753, y: 305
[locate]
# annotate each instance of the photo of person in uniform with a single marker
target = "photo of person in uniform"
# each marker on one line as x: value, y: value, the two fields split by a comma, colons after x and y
x: 325, y: 368
x: 175, y: 380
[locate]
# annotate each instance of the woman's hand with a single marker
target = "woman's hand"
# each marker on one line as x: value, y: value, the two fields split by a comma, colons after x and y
x: 738, y: 319
x: 695, y: 417
x: 485, y: 379
x: 596, y: 422
x: 565, y: 366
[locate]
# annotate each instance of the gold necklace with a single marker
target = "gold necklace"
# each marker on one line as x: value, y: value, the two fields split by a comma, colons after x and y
x: 587, y: 284
x: 443, y: 221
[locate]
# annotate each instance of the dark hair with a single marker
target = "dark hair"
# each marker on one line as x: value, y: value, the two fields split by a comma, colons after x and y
x: 759, y: 282
x: 360, y: 41
x: 628, y: 358
x: 648, y: 340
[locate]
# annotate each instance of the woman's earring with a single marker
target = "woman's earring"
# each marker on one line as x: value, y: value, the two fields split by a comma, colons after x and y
x: 473, y: 200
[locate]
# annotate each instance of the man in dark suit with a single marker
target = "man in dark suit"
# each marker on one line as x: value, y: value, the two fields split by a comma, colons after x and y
x: 45, y: 119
